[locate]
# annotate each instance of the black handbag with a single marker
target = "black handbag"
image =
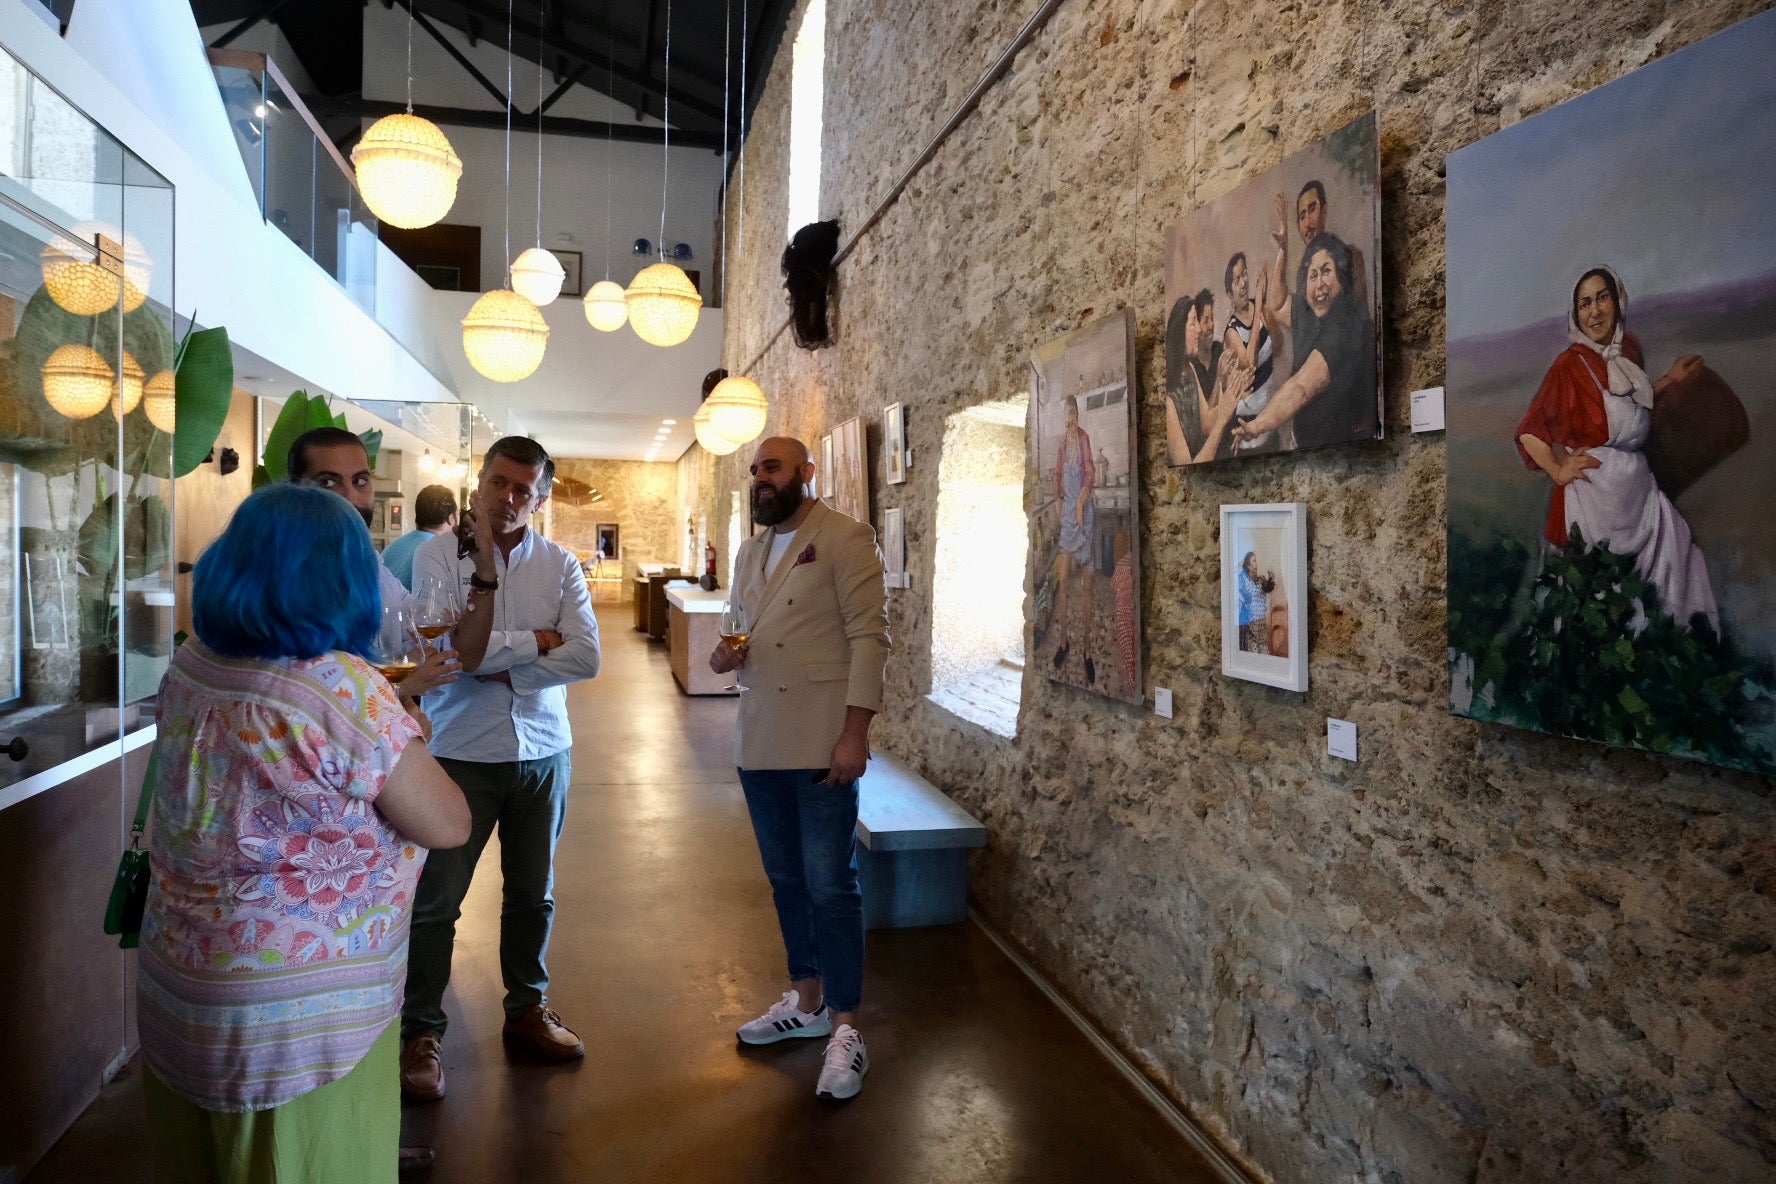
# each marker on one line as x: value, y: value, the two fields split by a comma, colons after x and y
x: 129, y: 891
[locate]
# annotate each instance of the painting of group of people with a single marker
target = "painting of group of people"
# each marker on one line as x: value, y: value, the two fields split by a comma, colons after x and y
x: 1291, y: 357
x: 1612, y: 333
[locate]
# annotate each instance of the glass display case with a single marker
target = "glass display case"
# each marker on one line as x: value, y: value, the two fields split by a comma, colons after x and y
x: 87, y: 345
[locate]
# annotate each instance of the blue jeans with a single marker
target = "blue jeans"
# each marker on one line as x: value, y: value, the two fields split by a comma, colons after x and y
x: 807, y: 837
x: 527, y: 800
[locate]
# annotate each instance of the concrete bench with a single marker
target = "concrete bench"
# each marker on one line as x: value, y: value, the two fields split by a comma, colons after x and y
x: 913, y: 845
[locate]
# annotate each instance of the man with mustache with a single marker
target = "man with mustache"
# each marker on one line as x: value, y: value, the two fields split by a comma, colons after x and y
x: 812, y: 586
x: 503, y: 736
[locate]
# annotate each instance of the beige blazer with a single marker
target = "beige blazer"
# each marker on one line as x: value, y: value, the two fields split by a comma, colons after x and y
x: 819, y: 639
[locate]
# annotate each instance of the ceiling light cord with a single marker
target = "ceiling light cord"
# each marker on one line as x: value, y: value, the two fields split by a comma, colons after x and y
x: 542, y: 23
x: 740, y: 229
x: 727, y: 85
x: 409, y: 57
x: 666, y: 131
x: 509, y: 4
x: 610, y: 85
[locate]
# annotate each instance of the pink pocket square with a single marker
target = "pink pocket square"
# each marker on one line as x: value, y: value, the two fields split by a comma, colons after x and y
x: 807, y: 556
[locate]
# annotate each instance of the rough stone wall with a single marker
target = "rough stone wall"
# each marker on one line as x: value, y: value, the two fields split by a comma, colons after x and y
x: 639, y: 496
x: 1478, y: 955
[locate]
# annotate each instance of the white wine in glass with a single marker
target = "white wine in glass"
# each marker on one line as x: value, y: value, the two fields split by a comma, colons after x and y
x: 434, y: 609
x: 736, y: 630
x: 398, y: 649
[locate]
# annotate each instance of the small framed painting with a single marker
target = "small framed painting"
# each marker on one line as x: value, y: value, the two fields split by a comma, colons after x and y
x: 1264, y: 594
x: 894, y: 442
x: 570, y: 265
x: 894, y: 548
x: 824, y: 478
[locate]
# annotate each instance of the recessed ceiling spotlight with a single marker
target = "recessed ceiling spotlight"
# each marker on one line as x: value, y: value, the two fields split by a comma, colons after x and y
x: 668, y: 422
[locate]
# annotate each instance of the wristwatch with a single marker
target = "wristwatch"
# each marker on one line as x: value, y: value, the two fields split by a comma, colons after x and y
x: 476, y: 582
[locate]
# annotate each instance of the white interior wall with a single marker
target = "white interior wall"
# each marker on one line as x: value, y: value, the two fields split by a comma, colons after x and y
x: 574, y: 168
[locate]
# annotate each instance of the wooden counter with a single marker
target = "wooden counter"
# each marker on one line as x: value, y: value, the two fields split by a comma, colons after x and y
x: 695, y: 630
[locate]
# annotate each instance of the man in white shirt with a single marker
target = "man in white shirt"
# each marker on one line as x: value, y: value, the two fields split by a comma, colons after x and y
x: 502, y: 733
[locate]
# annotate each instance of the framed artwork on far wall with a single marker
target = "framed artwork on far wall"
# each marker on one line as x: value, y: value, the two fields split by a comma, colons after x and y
x: 894, y: 548
x: 570, y: 263
x: 825, y: 476
x: 1264, y: 594
x: 894, y: 442
x: 850, y: 490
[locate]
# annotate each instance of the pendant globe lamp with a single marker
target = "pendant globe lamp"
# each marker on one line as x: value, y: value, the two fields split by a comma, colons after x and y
x: 77, y: 381
x: 407, y: 170
x: 504, y: 335
x: 536, y: 274
x: 76, y: 281
x: 709, y: 437
x: 605, y: 304
x: 130, y: 386
x: 663, y: 303
x: 737, y: 408
x: 157, y: 401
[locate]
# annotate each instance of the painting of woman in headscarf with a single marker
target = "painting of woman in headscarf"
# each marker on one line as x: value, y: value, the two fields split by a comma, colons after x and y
x: 1611, y: 313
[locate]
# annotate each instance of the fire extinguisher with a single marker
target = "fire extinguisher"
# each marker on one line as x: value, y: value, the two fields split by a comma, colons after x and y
x: 708, y: 581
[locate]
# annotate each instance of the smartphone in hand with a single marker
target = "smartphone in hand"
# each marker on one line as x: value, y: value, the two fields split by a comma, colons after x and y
x: 821, y: 775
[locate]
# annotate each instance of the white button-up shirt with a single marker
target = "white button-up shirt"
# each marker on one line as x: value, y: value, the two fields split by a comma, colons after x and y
x: 541, y: 587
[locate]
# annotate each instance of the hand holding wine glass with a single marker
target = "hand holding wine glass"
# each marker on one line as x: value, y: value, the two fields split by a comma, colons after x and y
x: 736, y: 631
x: 398, y: 648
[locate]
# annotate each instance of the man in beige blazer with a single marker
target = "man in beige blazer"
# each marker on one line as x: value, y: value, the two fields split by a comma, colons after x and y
x: 817, y: 612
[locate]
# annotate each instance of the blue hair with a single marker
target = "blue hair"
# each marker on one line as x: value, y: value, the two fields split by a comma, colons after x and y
x: 293, y: 576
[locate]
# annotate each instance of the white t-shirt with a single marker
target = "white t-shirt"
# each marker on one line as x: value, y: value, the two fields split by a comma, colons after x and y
x: 779, y: 544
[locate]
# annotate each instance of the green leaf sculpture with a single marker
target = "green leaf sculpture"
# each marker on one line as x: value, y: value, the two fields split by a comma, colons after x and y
x: 203, y: 388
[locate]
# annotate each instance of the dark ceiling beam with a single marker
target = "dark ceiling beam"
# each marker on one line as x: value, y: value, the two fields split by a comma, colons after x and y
x: 647, y: 53
x: 567, y: 84
x: 581, y: 55
x: 461, y: 60
x: 557, y: 125
x: 263, y: 11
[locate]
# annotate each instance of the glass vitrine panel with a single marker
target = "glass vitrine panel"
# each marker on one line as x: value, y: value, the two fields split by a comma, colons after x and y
x: 86, y: 298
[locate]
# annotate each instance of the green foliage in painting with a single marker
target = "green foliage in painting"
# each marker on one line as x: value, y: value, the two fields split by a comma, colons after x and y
x: 1575, y: 642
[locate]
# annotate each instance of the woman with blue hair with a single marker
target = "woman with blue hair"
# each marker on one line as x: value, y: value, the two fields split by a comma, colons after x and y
x: 293, y: 807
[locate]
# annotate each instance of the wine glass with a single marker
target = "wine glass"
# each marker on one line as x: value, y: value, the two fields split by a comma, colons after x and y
x: 398, y: 647
x: 736, y: 629
x: 434, y: 608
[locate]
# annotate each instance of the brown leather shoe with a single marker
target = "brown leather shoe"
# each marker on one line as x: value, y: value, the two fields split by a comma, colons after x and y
x: 541, y: 1031
x: 422, y: 1068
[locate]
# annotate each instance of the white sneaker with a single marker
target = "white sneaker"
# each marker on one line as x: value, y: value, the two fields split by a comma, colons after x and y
x: 846, y: 1063
x: 786, y: 1021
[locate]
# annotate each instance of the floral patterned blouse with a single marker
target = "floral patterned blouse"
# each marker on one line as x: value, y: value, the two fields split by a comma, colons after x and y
x: 274, y: 946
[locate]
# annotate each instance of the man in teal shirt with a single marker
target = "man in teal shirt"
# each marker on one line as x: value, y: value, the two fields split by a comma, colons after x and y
x: 434, y: 512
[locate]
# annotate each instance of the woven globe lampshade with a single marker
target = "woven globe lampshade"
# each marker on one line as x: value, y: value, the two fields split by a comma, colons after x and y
x: 504, y: 336
x: 738, y: 408
x: 537, y: 276
x: 129, y: 387
x: 709, y: 436
x: 77, y: 381
x: 157, y: 401
x: 76, y: 282
x: 407, y: 171
x: 606, y: 306
x: 663, y: 304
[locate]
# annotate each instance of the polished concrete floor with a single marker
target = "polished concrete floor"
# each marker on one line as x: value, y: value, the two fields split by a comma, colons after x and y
x: 664, y: 942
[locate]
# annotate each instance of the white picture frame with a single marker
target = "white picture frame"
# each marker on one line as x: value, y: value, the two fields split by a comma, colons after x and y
x: 894, y: 548
x: 1273, y: 537
x: 894, y: 442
